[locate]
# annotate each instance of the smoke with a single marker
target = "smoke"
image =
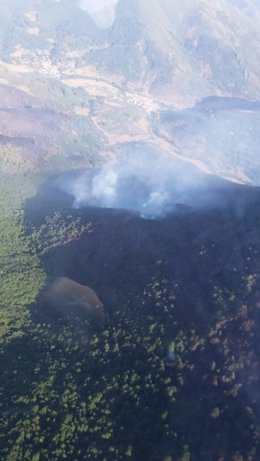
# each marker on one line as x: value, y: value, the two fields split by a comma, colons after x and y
x: 144, y: 181
x: 103, y: 12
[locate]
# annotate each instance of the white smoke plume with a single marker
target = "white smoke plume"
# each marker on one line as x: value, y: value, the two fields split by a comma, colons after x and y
x: 144, y: 181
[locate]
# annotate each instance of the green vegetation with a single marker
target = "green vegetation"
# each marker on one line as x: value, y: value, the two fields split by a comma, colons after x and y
x: 77, y: 395
x: 83, y: 397
x: 57, y: 230
x: 12, y: 159
x: 175, y: 375
x: 173, y: 378
x: 21, y: 273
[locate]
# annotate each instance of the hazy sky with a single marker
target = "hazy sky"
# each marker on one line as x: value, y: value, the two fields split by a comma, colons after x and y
x: 102, y: 11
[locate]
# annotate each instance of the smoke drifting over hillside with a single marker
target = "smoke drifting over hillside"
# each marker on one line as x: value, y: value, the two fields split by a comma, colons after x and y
x: 144, y: 181
x: 102, y: 11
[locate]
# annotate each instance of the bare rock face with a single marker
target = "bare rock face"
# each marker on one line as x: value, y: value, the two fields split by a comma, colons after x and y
x: 67, y: 297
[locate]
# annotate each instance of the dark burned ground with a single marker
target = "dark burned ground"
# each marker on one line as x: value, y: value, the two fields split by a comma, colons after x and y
x: 13, y: 98
x: 216, y: 131
x: 123, y: 252
x: 25, y: 119
x: 188, y: 283
x: 31, y: 129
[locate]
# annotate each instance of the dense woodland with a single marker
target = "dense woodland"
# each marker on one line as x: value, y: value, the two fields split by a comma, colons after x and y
x: 174, y: 377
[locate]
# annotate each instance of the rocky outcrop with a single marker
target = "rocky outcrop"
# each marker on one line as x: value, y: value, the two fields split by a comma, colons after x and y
x: 67, y: 297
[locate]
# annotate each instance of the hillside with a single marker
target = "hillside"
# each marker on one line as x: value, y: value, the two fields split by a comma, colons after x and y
x: 106, y: 73
x: 176, y: 377
x: 129, y: 230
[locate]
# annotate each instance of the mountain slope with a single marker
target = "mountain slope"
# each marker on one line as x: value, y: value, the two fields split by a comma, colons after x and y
x: 111, y: 68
